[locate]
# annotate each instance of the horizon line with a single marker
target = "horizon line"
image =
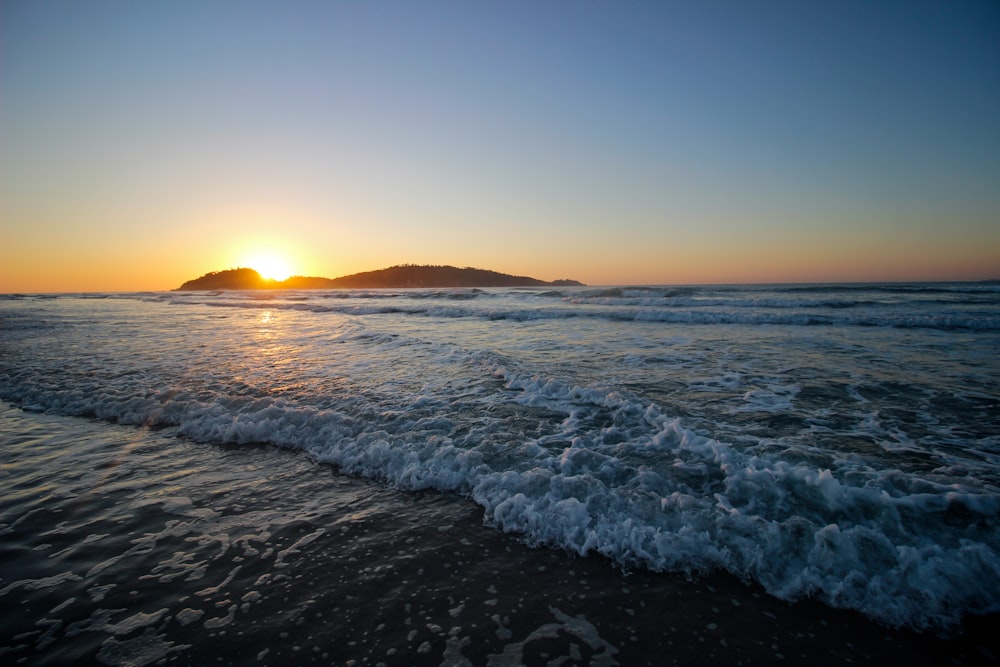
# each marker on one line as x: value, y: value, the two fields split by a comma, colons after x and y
x: 985, y: 281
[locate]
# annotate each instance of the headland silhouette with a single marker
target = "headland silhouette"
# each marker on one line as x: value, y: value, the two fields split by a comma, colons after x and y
x: 401, y: 276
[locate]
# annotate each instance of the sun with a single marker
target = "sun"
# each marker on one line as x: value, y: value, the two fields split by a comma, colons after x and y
x: 270, y: 266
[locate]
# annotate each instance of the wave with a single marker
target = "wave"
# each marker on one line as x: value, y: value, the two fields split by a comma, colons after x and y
x: 596, y: 471
x: 772, y: 301
x: 973, y: 316
x: 986, y: 287
x: 765, y: 313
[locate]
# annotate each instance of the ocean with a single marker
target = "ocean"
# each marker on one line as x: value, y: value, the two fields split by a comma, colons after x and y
x: 641, y: 475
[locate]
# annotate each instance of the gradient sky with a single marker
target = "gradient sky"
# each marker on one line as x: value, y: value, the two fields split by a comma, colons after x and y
x: 146, y: 143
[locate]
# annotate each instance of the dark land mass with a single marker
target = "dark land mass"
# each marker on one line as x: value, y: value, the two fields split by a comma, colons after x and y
x: 405, y: 275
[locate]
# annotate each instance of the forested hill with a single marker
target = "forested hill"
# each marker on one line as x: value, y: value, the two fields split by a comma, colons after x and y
x: 413, y: 275
x: 405, y: 275
x: 232, y: 279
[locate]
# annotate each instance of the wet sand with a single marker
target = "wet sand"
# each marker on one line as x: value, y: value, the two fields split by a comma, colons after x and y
x: 122, y: 546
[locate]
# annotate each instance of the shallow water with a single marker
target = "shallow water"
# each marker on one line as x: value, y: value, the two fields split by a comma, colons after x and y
x: 834, y: 443
x: 125, y: 546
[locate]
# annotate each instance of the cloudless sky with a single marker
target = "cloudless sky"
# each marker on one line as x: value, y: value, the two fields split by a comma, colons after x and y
x: 146, y: 143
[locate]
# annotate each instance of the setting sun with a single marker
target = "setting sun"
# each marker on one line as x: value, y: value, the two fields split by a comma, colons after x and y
x: 269, y: 266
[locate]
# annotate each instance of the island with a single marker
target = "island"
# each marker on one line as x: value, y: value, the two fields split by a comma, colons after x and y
x: 401, y: 276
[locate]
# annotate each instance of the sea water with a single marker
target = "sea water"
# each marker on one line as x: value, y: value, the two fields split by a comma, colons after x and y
x: 839, y: 443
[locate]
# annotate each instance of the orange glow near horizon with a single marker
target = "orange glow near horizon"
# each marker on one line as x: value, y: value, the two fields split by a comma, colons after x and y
x: 272, y: 256
x: 269, y: 265
x: 167, y: 267
x: 141, y: 259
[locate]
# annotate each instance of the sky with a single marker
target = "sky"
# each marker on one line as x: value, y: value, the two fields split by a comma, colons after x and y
x: 143, y: 144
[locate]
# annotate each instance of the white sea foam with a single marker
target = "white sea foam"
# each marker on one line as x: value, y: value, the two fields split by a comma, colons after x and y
x: 851, y: 485
x: 700, y: 505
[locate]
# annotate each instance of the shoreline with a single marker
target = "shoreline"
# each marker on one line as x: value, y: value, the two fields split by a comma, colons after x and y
x: 127, y: 546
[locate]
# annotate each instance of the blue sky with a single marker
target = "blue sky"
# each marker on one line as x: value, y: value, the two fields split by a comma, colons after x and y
x: 145, y: 143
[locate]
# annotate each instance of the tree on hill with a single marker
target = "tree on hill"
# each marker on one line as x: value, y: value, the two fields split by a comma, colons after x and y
x: 231, y: 279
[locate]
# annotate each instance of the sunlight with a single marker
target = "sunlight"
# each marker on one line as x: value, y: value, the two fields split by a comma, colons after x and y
x: 269, y: 266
